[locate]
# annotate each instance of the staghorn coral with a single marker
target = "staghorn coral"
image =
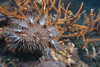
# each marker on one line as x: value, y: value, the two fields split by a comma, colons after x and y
x: 27, y: 31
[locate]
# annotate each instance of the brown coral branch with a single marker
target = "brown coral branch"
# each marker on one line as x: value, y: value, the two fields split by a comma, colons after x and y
x: 70, y: 35
x: 35, y: 6
x: 79, y: 10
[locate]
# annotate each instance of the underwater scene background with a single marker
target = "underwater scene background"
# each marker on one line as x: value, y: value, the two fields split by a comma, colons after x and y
x: 71, y: 54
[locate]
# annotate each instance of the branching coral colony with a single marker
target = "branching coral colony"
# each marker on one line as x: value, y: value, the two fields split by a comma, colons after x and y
x: 32, y: 27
